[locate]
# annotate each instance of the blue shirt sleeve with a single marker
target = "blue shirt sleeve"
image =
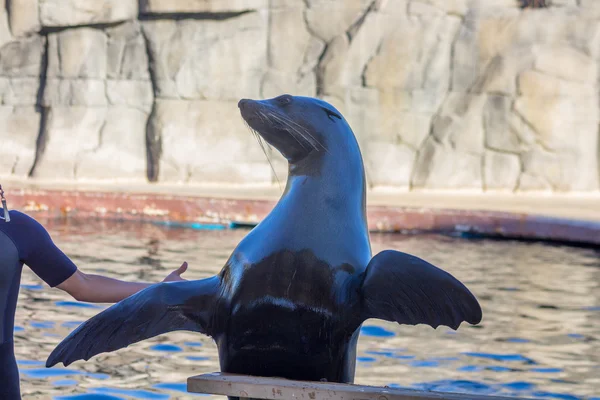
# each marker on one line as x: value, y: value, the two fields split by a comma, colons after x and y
x: 37, y: 250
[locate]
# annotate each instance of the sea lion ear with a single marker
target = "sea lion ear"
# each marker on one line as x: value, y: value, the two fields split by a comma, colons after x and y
x: 406, y: 289
x: 331, y: 114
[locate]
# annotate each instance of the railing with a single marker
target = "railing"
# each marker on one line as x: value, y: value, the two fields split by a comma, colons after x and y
x: 244, y: 386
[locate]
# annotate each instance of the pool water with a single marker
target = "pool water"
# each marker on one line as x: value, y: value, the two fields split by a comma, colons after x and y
x: 539, y: 338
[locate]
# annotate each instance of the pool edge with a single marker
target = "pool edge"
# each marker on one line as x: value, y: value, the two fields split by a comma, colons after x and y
x: 208, y: 212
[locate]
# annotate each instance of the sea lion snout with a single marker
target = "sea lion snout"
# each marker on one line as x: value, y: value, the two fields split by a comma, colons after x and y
x: 248, y: 109
x: 247, y: 106
x: 242, y: 103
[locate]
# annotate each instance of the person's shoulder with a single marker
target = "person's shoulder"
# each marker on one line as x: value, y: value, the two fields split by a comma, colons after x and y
x: 16, y: 215
x: 20, y: 218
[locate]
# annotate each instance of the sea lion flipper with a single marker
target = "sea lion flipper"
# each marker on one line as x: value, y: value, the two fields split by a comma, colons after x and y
x: 158, y: 309
x: 406, y: 289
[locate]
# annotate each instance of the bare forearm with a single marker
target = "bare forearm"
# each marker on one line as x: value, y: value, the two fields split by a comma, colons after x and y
x: 102, y: 289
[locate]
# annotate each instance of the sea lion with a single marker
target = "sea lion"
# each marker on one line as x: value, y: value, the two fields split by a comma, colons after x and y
x: 292, y: 296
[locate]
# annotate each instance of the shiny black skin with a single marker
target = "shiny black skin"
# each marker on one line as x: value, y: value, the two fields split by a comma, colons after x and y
x: 293, y: 282
x: 291, y: 298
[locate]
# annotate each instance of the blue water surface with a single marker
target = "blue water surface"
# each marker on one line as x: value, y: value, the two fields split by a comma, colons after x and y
x: 170, y: 348
x: 502, y: 357
x: 197, y: 358
x: 136, y: 394
x: 177, y: 387
x: 32, y: 287
x: 76, y: 304
x: 65, y: 382
x: 498, y: 357
x: 88, y: 396
x: 377, y: 331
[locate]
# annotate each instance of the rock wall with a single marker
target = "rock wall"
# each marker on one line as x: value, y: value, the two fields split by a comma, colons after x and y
x: 442, y: 94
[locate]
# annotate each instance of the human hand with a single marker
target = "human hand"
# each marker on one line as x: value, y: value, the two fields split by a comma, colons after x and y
x: 176, y: 275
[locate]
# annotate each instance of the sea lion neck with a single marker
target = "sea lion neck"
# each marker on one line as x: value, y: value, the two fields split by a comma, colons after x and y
x: 334, y: 175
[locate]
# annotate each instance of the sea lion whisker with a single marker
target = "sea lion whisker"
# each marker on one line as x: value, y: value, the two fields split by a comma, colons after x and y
x: 292, y: 132
x: 290, y: 122
x: 262, y: 146
x: 291, y: 129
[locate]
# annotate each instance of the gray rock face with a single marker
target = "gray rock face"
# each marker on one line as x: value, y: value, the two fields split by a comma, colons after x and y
x: 5, y: 34
x: 19, y: 127
x: 55, y: 13
x: 206, y: 141
x: 24, y: 17
x: 441, y: 94
x: 208, y: 59
x: 200, y: 6
x: 501, y: 171
x: 22, y: 58
x: 19, y: 91
x: 97, y: 98
x: 20, y: 69
x: 77, y: 53
x: 439, y: 166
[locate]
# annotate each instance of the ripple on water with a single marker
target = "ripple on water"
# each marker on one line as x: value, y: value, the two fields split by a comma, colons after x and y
x: 366, y: 359
x: 42, y: 373
x: 71, y: 324
x: 425, y: 364
x: 518, y: 386
x: 502, y: 357
x: 170, y: 348
x: 380, y: 353
x: 372, y: 330
x: 197, y: 358
x: 576, y: 336
x: 517, y: 340
x: 32, y: 287
x: 546, y: 370
x: 136, y: 394
x: 65, y: 382
x: 470, y: 368
x: 42, y: 325
x: 29, y: 362
x: 403, y: 356
x: 177, y: 387
x: 499, y: 368
x: 455, y: 386
x: 559, y: 396
x: 76, y: 304
x: 88, y: 396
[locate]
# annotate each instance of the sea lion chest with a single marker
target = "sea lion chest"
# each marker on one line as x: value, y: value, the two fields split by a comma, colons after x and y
x: 302, y: 254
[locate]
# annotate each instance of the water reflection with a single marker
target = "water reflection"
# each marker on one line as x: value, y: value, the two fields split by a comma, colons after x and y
x: 539, y: 336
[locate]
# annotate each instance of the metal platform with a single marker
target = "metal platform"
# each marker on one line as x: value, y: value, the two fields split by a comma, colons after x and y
x: 283, y: 389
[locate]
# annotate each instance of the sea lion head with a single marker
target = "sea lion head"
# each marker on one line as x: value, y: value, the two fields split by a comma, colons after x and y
x: 298, y: 127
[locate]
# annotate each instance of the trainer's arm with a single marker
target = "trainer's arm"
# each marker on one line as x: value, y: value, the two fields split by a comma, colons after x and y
x: 38, y: 252
x: 101, y: 289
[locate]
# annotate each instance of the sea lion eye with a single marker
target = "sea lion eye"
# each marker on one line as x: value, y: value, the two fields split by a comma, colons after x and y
x: 284, y: 100
x: 331, y: 114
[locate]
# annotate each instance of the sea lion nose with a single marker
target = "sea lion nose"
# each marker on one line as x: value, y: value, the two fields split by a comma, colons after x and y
x: 242, y: 103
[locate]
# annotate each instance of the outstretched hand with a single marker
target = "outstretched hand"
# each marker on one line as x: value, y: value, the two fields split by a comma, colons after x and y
x: 176, y: 275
